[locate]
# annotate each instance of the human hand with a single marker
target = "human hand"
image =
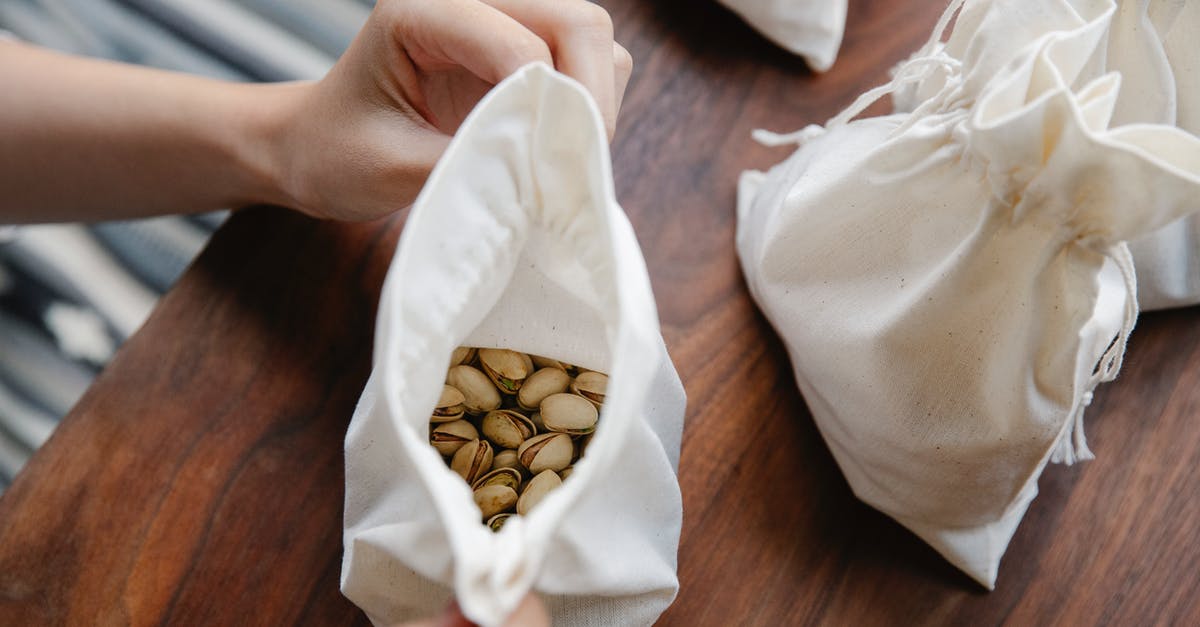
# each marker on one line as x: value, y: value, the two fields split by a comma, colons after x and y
x: 530, y: 613
x: 359, y: 143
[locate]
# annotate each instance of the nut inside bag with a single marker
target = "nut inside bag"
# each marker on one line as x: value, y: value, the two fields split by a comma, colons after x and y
x: 810, y: 28
x: 516, y: 242
x: 1151, y: 43
x: 952, y: 283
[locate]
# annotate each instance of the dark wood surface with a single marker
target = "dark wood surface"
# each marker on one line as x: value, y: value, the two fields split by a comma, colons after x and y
x: 199, y: 481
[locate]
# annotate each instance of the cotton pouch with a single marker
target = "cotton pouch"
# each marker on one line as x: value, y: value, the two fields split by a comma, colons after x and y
x: 809, y: 28
x: 952, y: 283
x: 517, y: 241
x: 1151, y: 44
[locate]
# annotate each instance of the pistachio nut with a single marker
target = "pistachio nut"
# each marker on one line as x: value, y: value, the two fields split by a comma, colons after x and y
x: 510, y: 477
x: 568, y: 413
x: 549, y: 451
x: 566, y: 472
x: 494, y: 499
x: 507, y: 428
x: 450, y: 405
x: 544, y: 483
x: 495, y: 523
x: 507, y: 369
x: 449, y: 437
x: 473, y: 460
x: 541, y: 384
x: 506, y: 459
x: 591, y: 385
x: 462, y: 355
x: 546, y: 362
x: 480, y: 396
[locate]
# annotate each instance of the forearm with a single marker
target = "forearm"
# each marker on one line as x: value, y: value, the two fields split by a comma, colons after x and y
x: 82, y: 139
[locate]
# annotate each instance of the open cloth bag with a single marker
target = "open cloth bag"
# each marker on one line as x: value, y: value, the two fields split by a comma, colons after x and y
x: 952, y: 283
x: 1152, y: 44
x: 517, y: 241
x: 810, y: 28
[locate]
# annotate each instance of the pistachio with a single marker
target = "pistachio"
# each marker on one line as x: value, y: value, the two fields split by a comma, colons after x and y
x: 568, y: 413
x: 495, y: 523
x: 450, y: 405
x: 494, y: 499
x: 507, y: 428
x: 546, y: 362
x: 507, y: 369
x: 591, y: 385
x: 536, y: 419
x: 549, y: 451
x: 506, y: 459
x: 473, y: 460
x: 480, y: 396
x: 566, y: 472
x: 541, y: 384
x: 462, y: 355
x: 449, y: 437
x: 510, y: 477
x: 544, y: 483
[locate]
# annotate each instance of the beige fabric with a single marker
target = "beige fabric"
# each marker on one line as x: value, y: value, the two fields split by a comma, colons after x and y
x: 517, y: 241
x: 952, y: 283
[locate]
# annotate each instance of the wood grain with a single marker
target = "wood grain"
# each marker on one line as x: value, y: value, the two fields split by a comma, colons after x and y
x: 200, y: 479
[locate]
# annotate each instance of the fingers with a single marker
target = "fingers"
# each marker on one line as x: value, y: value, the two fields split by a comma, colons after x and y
x: 623, y: 69
x: 580, y: 38
x: 468, y: 33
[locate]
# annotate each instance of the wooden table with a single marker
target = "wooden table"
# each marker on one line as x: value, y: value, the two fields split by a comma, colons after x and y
x: 200, y: 479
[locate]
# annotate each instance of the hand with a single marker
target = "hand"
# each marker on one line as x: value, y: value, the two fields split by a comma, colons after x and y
x: 530, y: 613
x: 359, y: 144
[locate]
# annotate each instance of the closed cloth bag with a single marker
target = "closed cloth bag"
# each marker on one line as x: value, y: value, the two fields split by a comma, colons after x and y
x: 1152, y: 44
x: 516, y: 241
x: 810, y: 28
x: 952, y: 283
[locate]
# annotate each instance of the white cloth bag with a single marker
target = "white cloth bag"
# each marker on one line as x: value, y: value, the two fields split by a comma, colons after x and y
x: 810, y: 28
x: 517, y: 241
x: 1152, y: 44
x: 952, y: 283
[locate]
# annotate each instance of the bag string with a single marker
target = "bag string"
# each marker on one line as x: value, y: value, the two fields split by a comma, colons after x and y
x: 1072, y: 444
x: 918, y: 68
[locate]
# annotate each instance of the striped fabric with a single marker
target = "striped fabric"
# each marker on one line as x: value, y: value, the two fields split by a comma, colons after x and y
x: 70, y: 294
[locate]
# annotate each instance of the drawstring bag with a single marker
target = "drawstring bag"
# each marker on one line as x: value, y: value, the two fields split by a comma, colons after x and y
x: 953, y: 283
x: 1152, y: 45
x: 516, y: 241
x: 809, y: 28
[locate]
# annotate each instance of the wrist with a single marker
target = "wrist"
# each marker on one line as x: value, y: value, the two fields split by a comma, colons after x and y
x: 258, y: 145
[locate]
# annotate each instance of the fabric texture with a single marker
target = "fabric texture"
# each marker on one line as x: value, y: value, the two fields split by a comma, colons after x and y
x: 517, y: 241
x: 1151, y: 44
x: 809, y: 28
x: 952, y: 283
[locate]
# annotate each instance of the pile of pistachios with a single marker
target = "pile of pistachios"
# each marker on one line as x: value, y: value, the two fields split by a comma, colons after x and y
x: 511, y: 425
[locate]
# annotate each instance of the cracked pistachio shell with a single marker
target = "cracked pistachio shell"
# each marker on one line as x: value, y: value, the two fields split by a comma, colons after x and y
x: 462, y: 355
x: 473, y: 460
x: 510, y: 477
x: 591, y: 385
x: 546, y: 362
x: 541, y: 384
x: 570, y: 414
x: 495, y: 523
x: 494, y: 499
x: 549, y: 451
x: 450, y: 405
x: 449, y: 437
x: 538, y: 487
x: 507, y: 369
x: 506, y: 459
x: 479, y: 393
x: 507, y: 428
